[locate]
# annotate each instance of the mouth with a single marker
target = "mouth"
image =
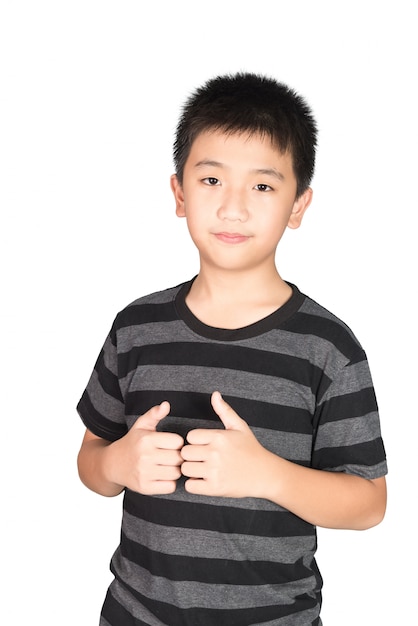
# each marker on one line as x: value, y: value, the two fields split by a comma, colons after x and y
x: 231, y: 238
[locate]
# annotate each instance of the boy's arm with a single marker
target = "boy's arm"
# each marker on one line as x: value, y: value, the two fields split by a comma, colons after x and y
x: 327, y: 499
x: 233, y: 463
x: 92, y: 465
x: 144, y: 460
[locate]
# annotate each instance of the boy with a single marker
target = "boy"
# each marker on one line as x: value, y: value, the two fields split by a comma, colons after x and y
x: 234, y: 412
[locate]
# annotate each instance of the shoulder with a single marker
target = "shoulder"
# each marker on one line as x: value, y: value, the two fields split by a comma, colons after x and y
x: 321, y: 325
x: 320, y: 314
x: 157, y: 297
x: 156, y: 306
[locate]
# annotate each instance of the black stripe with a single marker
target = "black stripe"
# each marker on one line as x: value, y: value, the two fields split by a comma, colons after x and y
x: 356, y: 404
x: 222, y: 519
x: 197, y: 406
x: 211, y: 570
x: 184, y: 405
x: 143, y: 313
x: 97, y: 423
x: 273, y: 416
x: 366, y: 454
x: 222, y: 356
x: 174, y: 616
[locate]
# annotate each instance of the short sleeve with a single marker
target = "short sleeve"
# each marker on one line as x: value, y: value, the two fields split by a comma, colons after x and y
x: 101, y: 406
x: 348, y: 436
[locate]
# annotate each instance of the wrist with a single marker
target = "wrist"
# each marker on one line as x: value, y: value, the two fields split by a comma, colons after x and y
x: 108, y: 465
x: 270, y: 482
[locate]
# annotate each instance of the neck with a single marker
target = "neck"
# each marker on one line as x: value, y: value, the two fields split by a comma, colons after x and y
x: 233, y: 300
x: 238, y: 286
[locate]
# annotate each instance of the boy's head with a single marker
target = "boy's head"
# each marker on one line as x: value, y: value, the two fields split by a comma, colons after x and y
x: 253, y: 104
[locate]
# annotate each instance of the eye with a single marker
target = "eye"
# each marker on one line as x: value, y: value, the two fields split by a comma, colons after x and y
x: 263, y: 187
x: 211, y: 181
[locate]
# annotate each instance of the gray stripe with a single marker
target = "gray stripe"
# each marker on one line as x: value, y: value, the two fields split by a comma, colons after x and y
x: 229, y: 382
x: 211, y: 544
x: 187, y: 594
x: 311, y: 307
x: 298, y: 619
x: 110, y: 357
x: 348, y: 432
x: 164, y: 296
x: 294, y: 446
x: 155, y: 333
x: 132, y: 606
x: 351, y: 379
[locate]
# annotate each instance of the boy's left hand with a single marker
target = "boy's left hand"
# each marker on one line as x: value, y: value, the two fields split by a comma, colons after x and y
x: 228, y: 463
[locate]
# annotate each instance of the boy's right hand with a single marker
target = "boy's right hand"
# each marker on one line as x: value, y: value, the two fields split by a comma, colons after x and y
x: 146, y: 460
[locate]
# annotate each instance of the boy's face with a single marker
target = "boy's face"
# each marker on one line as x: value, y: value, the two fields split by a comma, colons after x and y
x: 238, y: 196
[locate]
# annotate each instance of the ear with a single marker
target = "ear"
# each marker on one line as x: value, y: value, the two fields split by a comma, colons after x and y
x: 177, y: 190
x: 299, y: 207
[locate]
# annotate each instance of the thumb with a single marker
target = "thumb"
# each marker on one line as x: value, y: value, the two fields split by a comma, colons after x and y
x: 227, y: 415
x: 150, y: 419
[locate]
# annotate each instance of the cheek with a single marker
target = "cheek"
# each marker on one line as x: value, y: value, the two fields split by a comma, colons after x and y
x: 195, y: 225
x: 274, y: 223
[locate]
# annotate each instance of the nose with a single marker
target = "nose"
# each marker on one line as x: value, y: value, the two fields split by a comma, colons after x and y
x: 233, y: 207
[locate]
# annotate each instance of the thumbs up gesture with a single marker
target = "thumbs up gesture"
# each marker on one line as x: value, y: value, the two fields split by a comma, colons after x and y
x: 146, y: 460
x: 228, y: 462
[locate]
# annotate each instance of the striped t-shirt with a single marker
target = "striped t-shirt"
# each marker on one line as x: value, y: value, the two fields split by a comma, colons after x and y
x: 301, y: 380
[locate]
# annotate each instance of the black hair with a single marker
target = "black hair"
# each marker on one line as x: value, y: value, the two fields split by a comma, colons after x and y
x: 254, y: 104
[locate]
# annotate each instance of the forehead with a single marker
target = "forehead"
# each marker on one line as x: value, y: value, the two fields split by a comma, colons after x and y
x: 237, y: 147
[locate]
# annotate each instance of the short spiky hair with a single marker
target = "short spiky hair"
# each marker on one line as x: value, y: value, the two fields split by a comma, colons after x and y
x: 255, y: 104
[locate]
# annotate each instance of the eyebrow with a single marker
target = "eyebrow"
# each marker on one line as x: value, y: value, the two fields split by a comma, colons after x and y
x: 269, y: 171
x: 266, y: 171
x: 206, y: 162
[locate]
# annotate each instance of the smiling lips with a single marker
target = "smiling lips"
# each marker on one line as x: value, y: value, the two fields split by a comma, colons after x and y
x: 232, y: 238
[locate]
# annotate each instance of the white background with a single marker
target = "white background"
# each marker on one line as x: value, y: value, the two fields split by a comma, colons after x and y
x: 90, y: 92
